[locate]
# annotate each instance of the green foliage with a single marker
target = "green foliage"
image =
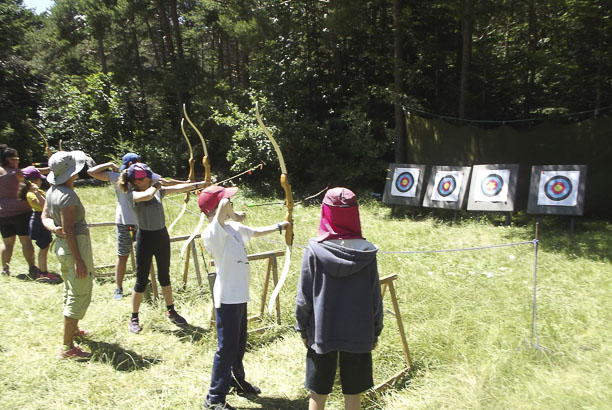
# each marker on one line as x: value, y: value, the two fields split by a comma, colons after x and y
x: 88, y: 116
x: 326, y: 70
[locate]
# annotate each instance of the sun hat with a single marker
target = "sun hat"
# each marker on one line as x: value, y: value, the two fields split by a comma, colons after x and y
x: 138, y: 171
x: 127, y: 158
x: 339, y: 216
x: 66, y: 164
x: 32, y: 173
x: 211, y: 196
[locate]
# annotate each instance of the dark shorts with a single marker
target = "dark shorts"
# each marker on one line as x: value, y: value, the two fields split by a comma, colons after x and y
x: 355, y: 372
x: 38, y: 232
x: 15, y: 225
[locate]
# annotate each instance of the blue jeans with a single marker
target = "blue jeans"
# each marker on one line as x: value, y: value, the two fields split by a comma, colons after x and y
x: 231, y: 344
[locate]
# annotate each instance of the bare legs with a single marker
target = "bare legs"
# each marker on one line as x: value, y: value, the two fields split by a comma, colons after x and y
x: 71, y: 326
x: 9, y: 246
x: 137, y: 298
x: 120, y: 269
x: 317, y: 401
x: 42, y: 259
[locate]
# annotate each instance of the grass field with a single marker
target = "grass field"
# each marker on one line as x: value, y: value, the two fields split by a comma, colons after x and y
x: 467, y: 317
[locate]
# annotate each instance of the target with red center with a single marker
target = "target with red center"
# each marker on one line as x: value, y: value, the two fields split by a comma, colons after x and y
x: 447, y: 185
x: 404, y: 182
x: 492, y: 185
x: 558, y: 188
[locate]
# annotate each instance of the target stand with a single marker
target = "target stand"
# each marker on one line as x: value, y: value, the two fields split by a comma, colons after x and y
x: 271, y: 269
x: 446, y: 187
x: 493, y: 188
x: 387, y: 282
x: 403, y: 185
x: 557, y: 190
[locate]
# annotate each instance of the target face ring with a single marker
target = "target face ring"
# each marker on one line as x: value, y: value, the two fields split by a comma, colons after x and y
x: 447, y: 185
x: 492, y: 185
x: 404, y: 182
x: 558, y: 188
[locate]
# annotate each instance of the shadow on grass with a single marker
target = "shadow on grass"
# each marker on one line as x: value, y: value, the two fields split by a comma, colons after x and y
x: 256, y: 341
x: 26, y: 278
x: 279, y: 403
x: 188, y: 333
x: 121, y: 359
x: 591, y: 239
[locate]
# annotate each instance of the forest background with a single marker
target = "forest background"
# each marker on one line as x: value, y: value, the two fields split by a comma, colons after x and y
x: 334, y: 78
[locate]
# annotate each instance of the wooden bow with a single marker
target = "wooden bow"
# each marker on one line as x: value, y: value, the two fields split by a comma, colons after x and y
x: 191, y: 178
x: 284, y: 181
x: 207, y: 179
x: 47, y: 149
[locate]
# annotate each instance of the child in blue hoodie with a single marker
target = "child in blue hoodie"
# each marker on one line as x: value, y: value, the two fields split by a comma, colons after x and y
x: 339, y: 305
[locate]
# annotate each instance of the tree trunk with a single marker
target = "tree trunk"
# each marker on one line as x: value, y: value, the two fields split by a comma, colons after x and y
x: 158, y: 60
x: 101, y: 52
x: 400, y: 122
x: 467, y: 24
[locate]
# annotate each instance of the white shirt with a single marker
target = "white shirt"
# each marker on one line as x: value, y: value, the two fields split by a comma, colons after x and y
x: 226, y: 244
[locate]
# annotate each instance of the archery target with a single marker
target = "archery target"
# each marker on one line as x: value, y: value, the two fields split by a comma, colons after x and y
x: 558, y: 188
x: 492, y: 185
x: 447, y: 185
x: 405, y: 181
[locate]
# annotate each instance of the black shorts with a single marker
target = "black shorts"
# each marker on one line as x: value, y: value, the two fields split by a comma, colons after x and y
x: 15, y: 225
x: 355, y: 372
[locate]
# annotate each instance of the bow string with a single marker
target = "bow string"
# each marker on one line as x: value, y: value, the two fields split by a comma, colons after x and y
x: 284, y: 181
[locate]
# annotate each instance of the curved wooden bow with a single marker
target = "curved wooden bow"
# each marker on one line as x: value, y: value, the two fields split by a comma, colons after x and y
x: 284, y: 181
x: 207, y: 179
x: 191, y: 178
x: 47, y: 149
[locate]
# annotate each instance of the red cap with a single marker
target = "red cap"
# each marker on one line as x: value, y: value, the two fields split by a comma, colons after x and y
x: 339, y: 216
x: 211, y: 196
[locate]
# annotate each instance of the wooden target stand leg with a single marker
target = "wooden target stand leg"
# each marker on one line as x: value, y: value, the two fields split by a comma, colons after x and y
x: 387, y: 282
x: 271, y: 268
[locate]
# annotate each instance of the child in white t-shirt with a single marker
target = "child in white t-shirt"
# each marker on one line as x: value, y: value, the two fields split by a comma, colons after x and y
x: 225, y: 238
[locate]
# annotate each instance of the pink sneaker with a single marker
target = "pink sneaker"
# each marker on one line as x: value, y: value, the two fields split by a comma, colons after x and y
x: 41, y: 277
x: 73, y: 353
x: 53, y: 277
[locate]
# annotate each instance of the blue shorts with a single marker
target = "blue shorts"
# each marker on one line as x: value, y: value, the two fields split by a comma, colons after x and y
x: 38, y: 232
x: 355, y: 371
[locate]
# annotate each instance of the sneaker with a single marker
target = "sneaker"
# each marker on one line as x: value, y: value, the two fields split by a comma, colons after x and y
x: 118, y: 294
x: 134, y: 326
x: 5, y: 271
x: 244, y: 387
x: 53, y: 277
x: 216, y: 406
x: 34, y: 273
x: 175, y: 318
x: 40, y: 277
x: 47, y: 277
x: 73, y: 353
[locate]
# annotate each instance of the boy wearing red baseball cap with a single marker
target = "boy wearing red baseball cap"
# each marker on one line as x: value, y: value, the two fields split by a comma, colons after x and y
x: 225, y: 238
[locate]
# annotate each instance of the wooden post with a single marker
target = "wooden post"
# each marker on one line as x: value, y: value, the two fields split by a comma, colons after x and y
x: 271, y: 267
x: 387, y: 282
x: 153, y: 282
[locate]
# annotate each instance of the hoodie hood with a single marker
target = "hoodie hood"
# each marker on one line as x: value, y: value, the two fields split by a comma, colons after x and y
x: 341, y: 261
